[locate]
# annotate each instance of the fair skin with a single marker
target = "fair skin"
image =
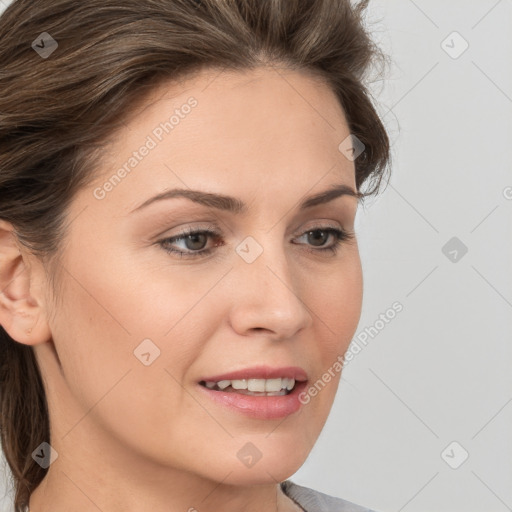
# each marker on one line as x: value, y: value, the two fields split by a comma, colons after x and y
x: 138, y: 438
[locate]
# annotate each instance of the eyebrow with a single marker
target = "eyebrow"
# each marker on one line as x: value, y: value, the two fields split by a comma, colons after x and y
x: 235, y: 205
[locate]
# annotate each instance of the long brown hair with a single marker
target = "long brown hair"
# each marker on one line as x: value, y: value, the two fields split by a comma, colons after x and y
x: 58, y: 110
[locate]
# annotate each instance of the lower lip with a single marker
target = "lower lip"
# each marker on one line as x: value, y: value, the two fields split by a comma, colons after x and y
x: 260, y: 407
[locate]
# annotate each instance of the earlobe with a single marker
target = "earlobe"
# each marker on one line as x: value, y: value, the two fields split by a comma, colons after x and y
x: 21, y: 313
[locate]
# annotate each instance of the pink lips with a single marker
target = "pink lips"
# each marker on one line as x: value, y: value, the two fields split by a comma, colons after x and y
x: 259, y: 407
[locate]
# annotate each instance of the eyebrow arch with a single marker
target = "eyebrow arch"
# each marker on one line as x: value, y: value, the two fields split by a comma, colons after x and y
x: 235, y: 205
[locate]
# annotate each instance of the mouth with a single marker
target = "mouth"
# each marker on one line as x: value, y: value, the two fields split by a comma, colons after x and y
x: 253, y: 387
x: 260, y: 393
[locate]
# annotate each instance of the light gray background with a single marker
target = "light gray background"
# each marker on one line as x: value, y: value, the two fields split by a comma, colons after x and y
x: 440, y: 371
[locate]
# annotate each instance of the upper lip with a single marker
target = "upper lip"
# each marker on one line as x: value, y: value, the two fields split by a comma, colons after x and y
x: 261, y: 372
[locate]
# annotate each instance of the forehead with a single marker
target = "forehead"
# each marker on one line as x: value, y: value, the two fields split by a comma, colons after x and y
x: 248, y: 103
x: 264, y: 84
x: 255, y: 129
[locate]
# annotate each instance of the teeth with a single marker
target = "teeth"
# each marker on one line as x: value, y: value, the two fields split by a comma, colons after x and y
x: 289, y: 384
x: 274, y: 384
x: 239, y: 384
x: 261, y: 385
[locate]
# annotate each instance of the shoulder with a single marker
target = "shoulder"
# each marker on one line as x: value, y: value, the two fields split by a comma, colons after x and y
x: 315, y: 501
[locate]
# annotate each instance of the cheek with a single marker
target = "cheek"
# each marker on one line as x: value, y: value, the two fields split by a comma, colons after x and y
x: 96, y: 333
x: 335, y: 300
x: 92, y: 340
x: 112, y: 317
x: 337, y: 306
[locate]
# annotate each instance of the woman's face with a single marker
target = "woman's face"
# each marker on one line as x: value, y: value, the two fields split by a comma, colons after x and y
x: 136, y: 328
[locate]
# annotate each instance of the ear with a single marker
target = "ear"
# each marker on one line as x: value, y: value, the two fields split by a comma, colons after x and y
x: 22, y: 308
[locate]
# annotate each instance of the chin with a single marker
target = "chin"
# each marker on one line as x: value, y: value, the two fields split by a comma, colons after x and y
x: 260, y: 474
x: 276, y: 466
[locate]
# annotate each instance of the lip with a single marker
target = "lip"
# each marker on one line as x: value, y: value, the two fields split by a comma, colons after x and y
x: 261, y: 372
x: 258, y: 407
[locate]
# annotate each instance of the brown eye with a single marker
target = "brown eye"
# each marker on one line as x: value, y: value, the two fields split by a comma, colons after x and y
x: 317, y: 240
x: 196, y: 241
x: 191, y: 243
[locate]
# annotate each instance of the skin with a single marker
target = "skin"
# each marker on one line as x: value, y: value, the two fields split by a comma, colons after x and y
x: 131, y: 437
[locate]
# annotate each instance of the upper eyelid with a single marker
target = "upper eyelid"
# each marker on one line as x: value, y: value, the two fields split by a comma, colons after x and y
x: 214, y: 230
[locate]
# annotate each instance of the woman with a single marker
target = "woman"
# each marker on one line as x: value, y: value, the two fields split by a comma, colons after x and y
x: 178, y: 266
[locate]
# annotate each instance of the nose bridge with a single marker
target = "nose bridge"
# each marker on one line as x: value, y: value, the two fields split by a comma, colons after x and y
x: 267, y: 295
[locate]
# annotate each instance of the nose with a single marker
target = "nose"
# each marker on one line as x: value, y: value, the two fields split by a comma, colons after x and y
x: 267, y: 297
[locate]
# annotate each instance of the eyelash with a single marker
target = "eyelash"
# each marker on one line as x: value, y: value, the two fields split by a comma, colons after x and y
x: 340, y: 235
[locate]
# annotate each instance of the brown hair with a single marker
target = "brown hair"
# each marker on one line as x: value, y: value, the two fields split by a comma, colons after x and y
x: 57, y: 114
